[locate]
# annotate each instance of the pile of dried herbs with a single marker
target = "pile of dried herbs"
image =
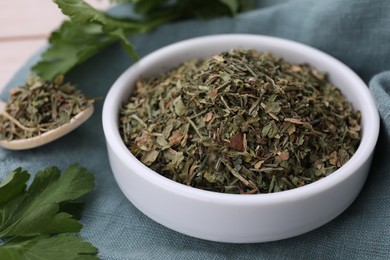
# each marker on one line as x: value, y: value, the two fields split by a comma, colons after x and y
x: 240, y: 122
x: 40, y: 106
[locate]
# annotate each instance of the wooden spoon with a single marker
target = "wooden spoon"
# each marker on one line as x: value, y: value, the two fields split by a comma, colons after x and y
x: 23, y: 144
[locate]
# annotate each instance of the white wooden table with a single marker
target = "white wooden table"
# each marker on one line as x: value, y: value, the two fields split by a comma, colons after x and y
x: 24, y: 27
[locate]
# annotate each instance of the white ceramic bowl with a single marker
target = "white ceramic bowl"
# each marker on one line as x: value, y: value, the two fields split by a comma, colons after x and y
x: 231, y: 217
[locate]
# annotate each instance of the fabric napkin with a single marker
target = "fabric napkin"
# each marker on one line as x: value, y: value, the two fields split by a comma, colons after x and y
x: 357, y: 32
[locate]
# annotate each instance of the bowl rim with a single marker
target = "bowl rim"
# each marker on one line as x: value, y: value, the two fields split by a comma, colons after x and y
x: 114, y: 99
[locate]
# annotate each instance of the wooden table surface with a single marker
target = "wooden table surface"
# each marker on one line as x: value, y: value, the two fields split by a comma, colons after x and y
x: 25, y: 26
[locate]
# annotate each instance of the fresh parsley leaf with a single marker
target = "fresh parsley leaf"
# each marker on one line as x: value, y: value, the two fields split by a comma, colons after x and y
x: 69, y: 46
x: 38, y: 211
x: 89, y: 31
x: 74, y: 208
x: 82, y: 13
x: 148, y: 7
x: 13, y: 185
x: 35, y: 221
x: 62, y: 246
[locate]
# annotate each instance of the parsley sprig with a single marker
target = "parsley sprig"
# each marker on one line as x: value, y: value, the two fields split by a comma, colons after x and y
x: 89, y: 31
x: 37, y: 222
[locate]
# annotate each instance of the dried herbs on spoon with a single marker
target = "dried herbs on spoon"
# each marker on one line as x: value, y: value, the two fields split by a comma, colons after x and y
x: 240, y: 122
x: 40, y: 106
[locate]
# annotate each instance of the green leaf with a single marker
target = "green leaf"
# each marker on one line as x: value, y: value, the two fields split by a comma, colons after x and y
x: 70, y: 45
x: 63, y: 246
x: 82, y: 13
x: 38, y: 211
x: 126, y: 44
x: 88, y: 33
x: 148, y: 7
x: 28, y: 218
x: 232, y: 5
x: 73, y: 183
x: 13, y: 185
x: 45, y: 220
x: 74, y: 208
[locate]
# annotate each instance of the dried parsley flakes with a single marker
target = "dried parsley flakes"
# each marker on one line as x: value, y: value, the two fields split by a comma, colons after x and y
x: 240, y: 122
x: 39, y: 107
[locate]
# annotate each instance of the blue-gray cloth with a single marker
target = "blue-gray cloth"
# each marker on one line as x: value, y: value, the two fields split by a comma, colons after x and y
x: 357, y: 32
